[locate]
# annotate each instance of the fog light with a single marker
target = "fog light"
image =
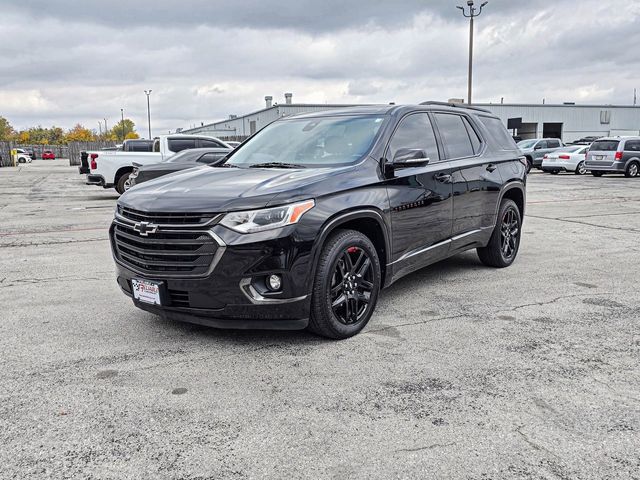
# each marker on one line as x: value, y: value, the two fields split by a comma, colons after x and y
x: 274, y: 282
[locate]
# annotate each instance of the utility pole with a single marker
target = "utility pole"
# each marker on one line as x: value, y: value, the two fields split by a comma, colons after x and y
x: 147, y: 93
x: 106, y: 129
x: 635, y: 97
x: 122, y: 114
x: 473, y: 13
x: 100, y: 128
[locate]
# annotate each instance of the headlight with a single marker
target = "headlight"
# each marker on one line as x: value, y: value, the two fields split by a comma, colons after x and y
x: 266, y: 219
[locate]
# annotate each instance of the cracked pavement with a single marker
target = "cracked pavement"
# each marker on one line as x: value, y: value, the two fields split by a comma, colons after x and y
x: 464, y: 372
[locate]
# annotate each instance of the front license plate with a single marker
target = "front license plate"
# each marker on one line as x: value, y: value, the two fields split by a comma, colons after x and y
x: 146, y: 291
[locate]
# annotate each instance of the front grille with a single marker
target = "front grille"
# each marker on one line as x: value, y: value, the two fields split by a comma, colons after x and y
x: 166, y: 252
x: 167, y: 218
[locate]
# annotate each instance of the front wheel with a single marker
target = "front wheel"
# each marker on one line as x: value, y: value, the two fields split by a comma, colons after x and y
x: 346, y: 285
x: 503, y: 246
x: 555, y: 172
x: 581, y: 169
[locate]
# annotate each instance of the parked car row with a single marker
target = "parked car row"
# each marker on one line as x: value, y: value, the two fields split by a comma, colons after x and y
x: 600, y: 156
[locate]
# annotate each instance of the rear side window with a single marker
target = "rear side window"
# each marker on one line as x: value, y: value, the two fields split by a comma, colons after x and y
x: 632, y: 146
x: 454, y: 135
x: 476, y: 143
x: 178, y: 144
x: 604, y: 146
x: 553, y: 143
x: 207, y: 143
x: 415, y: 131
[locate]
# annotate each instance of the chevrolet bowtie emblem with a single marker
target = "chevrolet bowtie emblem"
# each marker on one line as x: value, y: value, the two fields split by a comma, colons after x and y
x: 145, y: 228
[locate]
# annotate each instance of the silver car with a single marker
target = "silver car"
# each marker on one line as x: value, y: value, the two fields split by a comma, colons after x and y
x: 535, y: 149
x: 567, y: 159
x: 614, y: 155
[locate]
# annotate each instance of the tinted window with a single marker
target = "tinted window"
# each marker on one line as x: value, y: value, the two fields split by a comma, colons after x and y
x: 416, y: 132
x: 553, y: 143
x: 499, y: 133
x: 604, y: 146
x: 476, y: 143
x: 454, y: 135
x: 179, y: 144
x: 204, y: 142
x: 632, y: 146
x: 211, y: 157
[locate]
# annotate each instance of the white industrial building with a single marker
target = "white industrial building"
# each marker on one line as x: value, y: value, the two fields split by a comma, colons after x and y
x: 566, y: 121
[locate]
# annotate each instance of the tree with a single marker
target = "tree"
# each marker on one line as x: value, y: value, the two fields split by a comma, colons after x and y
x: 131, y: 136
x: 119, y: 133
x: 24, y: 137
x: 7, y: 132
x: 79, y: 134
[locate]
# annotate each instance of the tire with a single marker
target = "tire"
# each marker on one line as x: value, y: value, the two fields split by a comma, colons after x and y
x: 632, y: 170
x: 580, y: 169
x: 529, y: 164
x: 508, y: 229
x: 596, y: 174
x: 342, y: 282
x: 123, y: 183
x: 555, y: 172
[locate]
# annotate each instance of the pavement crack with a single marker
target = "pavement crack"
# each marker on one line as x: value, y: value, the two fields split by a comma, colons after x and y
x: 567, y: 220
x: 554, y: 300
x: 428, y: 447
x: 533, y: 444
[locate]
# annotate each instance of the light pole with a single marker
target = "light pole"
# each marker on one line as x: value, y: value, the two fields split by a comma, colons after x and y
x: 122, y: 114
x: 147, y: 93
x: 473, y: 13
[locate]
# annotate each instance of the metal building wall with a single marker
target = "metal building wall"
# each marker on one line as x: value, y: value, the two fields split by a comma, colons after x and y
x: 578, y: 120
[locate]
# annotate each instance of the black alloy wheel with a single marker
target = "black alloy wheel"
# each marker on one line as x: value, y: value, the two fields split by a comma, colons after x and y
x: 346, y: 285
x: 351, y: 285
x: 502, y: 249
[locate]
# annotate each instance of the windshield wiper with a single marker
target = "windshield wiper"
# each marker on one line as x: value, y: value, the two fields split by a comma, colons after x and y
x: 276, y: 165
x: 226, y: 165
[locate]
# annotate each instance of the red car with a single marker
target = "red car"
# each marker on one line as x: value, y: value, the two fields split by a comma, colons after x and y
x: 48, y: 155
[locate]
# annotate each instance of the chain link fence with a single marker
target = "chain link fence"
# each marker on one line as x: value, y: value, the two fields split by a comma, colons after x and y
x: 70, y: 151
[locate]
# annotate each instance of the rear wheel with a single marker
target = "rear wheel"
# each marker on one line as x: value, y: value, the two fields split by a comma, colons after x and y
x: 596, y: 174
x: 346, y: 285
x: 581, y: 169
x: 503, y: 246
x: 632, y: 170
x: 555, y: 172
x: 529, y: 164
x: 124, y: 183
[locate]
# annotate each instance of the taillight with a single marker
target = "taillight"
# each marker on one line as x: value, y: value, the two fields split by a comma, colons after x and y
x: 618, y: 155
x: 564, y: 157
x: 545, y: 156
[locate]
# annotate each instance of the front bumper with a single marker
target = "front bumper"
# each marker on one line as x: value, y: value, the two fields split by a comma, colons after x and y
x: 230, y: 295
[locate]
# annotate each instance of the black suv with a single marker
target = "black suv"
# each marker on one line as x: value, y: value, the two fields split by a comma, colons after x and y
x: 305, y: 222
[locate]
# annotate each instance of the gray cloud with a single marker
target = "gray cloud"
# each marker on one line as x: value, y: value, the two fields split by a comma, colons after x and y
x: 64, y: 61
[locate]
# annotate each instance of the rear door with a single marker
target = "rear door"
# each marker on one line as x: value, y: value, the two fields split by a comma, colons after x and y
x: 420, y: 198
x: 476, y: 179
x: 631, y: 150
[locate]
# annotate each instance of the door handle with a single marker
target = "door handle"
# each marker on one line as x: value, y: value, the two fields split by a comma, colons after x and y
x: 491, y: 168
x: 442, y: 177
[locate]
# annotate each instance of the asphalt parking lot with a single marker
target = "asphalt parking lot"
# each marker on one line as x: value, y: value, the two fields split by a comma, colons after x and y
x: 464, y: 372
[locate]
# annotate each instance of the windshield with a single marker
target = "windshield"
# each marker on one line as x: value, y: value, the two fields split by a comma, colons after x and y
x: 527, y: 143
x: 310, y: 142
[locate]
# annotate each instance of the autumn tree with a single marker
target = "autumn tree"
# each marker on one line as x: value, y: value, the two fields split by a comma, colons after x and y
x: 79, y: 134
x: 6, y: 130
x: 122, y: 130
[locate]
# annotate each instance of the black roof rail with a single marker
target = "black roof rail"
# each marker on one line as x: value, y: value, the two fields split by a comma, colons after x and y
x: 458, y: 105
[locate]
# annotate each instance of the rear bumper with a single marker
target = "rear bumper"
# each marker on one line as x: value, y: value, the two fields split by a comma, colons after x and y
x: 605, y: 166
x: 95, y: 180
x: 551, y: 166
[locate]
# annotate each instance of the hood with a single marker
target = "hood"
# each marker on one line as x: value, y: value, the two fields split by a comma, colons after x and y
x: 213, y: 189
x: 151, y: 167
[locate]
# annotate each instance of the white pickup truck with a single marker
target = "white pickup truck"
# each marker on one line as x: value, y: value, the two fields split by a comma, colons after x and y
x: 111, y: 169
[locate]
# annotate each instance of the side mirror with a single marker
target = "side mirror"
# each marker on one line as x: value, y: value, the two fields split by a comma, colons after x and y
x: 410, y: 157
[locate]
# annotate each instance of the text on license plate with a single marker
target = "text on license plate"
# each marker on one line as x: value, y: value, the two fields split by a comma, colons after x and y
x: 146, y: 291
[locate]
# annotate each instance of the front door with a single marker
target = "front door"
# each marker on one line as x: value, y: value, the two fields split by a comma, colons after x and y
x: 420, y: 198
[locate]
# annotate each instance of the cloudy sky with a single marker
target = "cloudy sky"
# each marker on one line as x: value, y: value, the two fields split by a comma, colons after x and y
x: 66, y: 61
